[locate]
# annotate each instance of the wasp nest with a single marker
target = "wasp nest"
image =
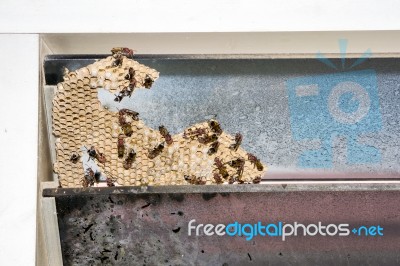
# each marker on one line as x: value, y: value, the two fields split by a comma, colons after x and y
x: 126, y: 150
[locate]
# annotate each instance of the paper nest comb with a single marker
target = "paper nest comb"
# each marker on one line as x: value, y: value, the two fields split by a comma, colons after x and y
x: 79, y: 120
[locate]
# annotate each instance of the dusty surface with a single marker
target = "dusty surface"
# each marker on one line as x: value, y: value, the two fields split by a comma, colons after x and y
x: 134, y: 226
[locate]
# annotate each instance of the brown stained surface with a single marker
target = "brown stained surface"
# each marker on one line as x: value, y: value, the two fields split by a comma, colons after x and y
x: 151, y: 228
x: 79, y: 120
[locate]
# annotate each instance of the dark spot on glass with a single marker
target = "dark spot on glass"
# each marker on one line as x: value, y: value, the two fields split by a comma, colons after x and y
x: 87, y: 228
x: 179, y: 197
x: 179, y: 213
x: 146, y: 205
x: 208, y: 196
x: 103, y: 259
x: 176, y: 230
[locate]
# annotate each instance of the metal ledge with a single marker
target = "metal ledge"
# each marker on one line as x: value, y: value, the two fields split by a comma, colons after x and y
x: 59, y: 192
x: 149, y: 225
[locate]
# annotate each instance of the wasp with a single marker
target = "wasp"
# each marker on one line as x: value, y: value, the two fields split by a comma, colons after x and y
x: 97, y: 176
x: 118, y: 60
x: 236, y: 163
x: 164, y: 132
x: 148, y: 82
x: 121, y: 146
x: 94, y: 154
x: 85, y: 183
x: 156, y: 151
x: 215, y: 126
x: 240, y: 181
x: 194, y: 180
x: 208, y: 138
x: 118, y: 98
x: 221, y: 167
x: 234, y: 179
x: 218, y: 179
x: 121, y: 120
x: 197, y: 132
x: 131, y: 74
x: 213, y: 148
x: 254, y: 160
x: 257, y: 180
x: 189, y: 179
x: 131, y: 77
x: 127, y: 91
x: 110, y: 182
x: 74, y: 157
x: 127, y: 129
x: 238, y: 141
x: 124, y: 51
x: 90, y: 178
x: 129, y: 159
x: 239, y: 165
x: 134, y: 115
x: 119, y: 52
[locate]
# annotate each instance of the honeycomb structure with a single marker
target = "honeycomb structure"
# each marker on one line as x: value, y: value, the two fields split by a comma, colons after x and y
x: 79, y: 120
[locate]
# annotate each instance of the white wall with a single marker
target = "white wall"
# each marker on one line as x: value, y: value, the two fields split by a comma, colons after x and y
x: 40, y: 16
x: 18, y: 147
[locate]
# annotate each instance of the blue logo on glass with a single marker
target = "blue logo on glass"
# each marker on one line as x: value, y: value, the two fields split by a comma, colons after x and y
x: 342, y: 104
